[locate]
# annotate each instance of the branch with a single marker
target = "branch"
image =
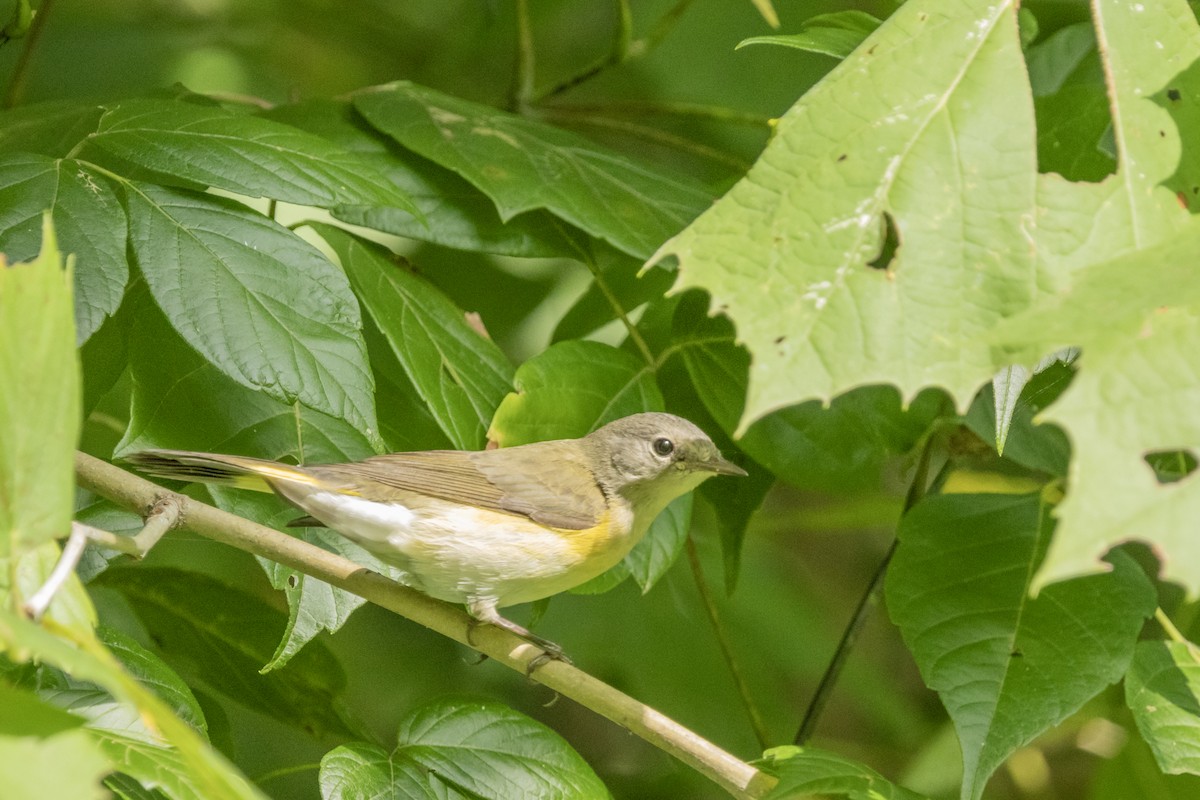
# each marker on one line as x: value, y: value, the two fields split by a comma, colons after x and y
x: 866, y: 604
x: 16, y: 84
x: 125, y: 489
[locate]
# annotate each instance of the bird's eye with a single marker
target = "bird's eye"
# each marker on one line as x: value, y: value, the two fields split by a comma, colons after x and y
x: 664, y: 447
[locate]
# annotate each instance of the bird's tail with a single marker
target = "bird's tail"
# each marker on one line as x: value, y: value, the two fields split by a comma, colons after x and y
x: 239, y: 471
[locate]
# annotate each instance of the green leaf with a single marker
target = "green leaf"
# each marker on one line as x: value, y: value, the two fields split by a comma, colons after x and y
x: 361, y: 771
x: 88, y: 220
x: 1133, y: 394
x: 1074, y: 131
x: 735, y: 502
x: 39, y: 427
x: 1005, y: 665
x: 455, y: 213
x: 1063, y: 56
x: 459, y: 373
x: 806, y: 771
x: 1071, y: 102
x: 125, y: 787
x: 844, y: 445
x: 481, y: 748
x: 168, y: 376
x: 902, y: 141
x: 1037, y: 446
x: 1162, y: 689
x: 313, y: 605
x: 66, y: 764
x: 206, y: 145
x: 120, y: 730
x: 255, y: 300
x: 524, y: 165
x: 871, y: 144
x: 1010, y: 383
x: 222, y: 636
x: 1148, y: 49
x: 51, y: 129
x: 835, y: 34
x: 487, y: 750
x: 405, y: 420
x: 570, y: 389
x: 152, y: 671
x: 85, y: 659
x: 650, y: 558
x: 23, y: 713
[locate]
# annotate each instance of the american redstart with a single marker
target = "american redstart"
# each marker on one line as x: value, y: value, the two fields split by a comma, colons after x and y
x: 490, y: 528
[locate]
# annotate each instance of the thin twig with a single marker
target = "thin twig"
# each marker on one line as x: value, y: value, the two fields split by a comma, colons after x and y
x: 589, y: 260
x: 16, y: 84
x: 130, y: 491
x: 866, y: 605
x: 1173, y: 633
x: 522, y: 91
x: 163, y: 517
x: 625, y: 49
x: 710, y: 605
x: 72, y: 551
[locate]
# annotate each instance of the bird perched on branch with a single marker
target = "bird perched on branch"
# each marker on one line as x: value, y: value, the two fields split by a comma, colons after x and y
x: 491, y: 528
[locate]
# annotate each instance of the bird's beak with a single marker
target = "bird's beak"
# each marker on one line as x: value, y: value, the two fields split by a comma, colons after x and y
x: 721, y: 466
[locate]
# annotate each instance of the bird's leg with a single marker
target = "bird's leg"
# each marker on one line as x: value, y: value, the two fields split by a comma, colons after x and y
x: 485, y: 611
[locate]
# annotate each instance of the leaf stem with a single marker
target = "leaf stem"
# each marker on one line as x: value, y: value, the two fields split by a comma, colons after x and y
x: 283, y: 772
x: 710, y: 606
x: 1168, y: 626
x: 16, y: 84
x: 741, y: 780
x: 866, y: 604
x: 635, y: 336
x: 625, y: 48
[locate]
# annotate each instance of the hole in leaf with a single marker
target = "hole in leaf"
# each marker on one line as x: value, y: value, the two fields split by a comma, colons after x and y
x: 292, y: 581
x: 891, y: 241
x: 1171, y: 465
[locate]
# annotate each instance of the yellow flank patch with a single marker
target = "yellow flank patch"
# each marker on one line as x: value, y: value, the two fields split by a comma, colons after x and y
x: 589, y: 541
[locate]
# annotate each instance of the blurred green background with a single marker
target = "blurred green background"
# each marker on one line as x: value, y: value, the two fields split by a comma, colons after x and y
x: 808, y: 554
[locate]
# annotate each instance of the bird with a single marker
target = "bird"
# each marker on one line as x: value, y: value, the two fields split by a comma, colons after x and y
x: 490, y: 528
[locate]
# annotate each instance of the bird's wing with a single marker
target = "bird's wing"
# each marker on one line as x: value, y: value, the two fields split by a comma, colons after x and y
x: 551, y: 484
